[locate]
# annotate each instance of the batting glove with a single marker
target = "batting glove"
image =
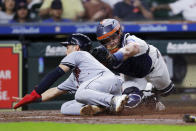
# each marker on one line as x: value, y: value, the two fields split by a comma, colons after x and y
x: 28, y: 98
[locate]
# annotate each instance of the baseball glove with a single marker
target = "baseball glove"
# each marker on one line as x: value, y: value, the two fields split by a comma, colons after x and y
x: 104, y: 56
x: 101, y: 53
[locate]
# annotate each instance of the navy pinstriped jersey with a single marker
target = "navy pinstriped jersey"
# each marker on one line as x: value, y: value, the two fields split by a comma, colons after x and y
x: 139, y: 65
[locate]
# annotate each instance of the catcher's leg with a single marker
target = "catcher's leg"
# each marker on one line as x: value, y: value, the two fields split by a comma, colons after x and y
x: 133, y: 88
x: 151, y: 100
x: 159, y: 77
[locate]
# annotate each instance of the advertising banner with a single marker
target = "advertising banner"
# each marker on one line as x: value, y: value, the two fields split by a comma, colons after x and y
x: 10, y: 73
x: 174, y: 46
x: 89, y: 27
x: 46, y: 49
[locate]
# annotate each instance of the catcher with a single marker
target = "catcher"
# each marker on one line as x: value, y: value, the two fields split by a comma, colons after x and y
x: 140, y: 62
x: 96, y: 87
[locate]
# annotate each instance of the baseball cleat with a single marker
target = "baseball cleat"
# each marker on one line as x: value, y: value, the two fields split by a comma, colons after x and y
x: 89, y: 110
x: 154, y: 103
x: 160, y: 106
x: 118, y: 102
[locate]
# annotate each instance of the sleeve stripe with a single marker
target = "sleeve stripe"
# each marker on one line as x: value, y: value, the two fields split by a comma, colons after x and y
x: 68, y: 64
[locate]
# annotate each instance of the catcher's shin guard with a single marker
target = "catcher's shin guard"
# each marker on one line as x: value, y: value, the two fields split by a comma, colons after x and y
x: 135, y: 96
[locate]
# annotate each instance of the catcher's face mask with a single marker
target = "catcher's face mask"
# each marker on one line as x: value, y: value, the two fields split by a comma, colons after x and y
x: 109, y: 33
x: 112, y: 42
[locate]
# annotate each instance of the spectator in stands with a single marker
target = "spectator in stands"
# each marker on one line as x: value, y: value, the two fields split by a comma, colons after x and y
x: 34, y: 6
x: 111, y: 2
x: 129, y: 10
x: 0, y: 5
x: 186, y: 7
x: 22, y: 14
x: 96, y: 10
x: 7, y: 12
x: 72, y: 9
x: 56, y: 12
x: 31, y: 3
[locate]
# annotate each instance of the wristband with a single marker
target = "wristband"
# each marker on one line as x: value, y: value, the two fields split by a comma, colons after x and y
x: 119, y: 56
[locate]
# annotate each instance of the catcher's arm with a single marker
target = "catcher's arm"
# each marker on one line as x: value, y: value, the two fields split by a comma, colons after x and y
x: 129, y: 50
x: 104, y: 56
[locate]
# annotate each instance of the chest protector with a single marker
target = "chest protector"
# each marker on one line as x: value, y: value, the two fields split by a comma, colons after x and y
x: 136, y: 66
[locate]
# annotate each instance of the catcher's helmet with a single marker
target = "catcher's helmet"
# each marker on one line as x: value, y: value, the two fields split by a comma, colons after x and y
x: 107, y: 28
x: 82, y: 40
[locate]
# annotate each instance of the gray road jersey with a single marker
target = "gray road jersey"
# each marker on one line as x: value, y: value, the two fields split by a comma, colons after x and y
x: 84, y: 65
x: 70, y: 84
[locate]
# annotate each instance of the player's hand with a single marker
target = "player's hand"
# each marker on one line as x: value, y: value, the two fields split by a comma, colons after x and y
x: 28, y: 98
x: 16, y: 99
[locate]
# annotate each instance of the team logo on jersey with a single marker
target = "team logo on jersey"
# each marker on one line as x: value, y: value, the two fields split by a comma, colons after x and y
x: 76, y: 72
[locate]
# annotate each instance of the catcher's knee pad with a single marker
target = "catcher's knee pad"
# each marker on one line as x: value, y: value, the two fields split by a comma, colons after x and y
x: 133, y: 90
x: 135, y: 96
x: 165, y: 92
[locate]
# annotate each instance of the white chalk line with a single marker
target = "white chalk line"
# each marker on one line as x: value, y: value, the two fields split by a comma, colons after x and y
x: 110, y: 119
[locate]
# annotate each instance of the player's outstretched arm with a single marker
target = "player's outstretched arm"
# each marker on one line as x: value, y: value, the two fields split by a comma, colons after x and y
x: 44, y: 85
x: 28, y: 98
x: 52, y: 93
x: 47, y: 95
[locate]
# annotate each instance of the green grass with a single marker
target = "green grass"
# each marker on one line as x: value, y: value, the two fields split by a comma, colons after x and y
x: 49, y: 126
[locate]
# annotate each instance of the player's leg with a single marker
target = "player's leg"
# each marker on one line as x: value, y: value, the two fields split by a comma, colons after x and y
x: 133, y: 88
x: 102, y: 91
x: 75, y: 108
x: 159, y: 80
x: 71, y: 108
x: 159, y: 77
x: 140, y: 92
x: 140, y: 83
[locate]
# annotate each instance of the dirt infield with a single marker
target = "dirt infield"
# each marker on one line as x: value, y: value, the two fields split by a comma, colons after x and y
x: 172, y: 115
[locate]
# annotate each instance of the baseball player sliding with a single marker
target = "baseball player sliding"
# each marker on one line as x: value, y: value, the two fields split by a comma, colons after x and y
x: 133, y: 57
x: 96, y: 87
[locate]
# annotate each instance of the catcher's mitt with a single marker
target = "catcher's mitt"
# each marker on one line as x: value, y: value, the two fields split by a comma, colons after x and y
x: 104, y: 56
x: 101, y: 53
